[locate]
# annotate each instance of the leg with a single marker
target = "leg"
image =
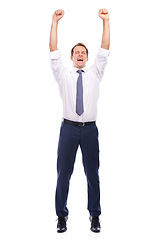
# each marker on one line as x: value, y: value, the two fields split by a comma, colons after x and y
x: 67, y: 148
x: 90, y: 152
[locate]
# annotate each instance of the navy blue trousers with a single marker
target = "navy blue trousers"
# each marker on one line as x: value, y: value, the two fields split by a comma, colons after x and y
x: 71, y: 137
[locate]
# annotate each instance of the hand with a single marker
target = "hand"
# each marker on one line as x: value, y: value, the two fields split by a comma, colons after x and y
x: 58, y: 15
x: 104, y: 14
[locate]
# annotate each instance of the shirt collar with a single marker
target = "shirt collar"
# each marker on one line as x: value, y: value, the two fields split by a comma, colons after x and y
x: 74, y: 69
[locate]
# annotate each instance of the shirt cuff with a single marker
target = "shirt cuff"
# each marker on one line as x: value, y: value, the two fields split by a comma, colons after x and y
x: 103, y: 52
x: 55, y: 54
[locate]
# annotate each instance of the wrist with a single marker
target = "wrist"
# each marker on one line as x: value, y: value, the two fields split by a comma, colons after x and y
x: 106, y: 20
x: 54, y: 23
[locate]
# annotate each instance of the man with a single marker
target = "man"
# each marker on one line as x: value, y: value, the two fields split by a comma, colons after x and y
x: 79, y: 90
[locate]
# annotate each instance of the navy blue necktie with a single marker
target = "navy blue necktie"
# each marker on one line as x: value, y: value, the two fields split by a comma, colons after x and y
x: 79, y: 96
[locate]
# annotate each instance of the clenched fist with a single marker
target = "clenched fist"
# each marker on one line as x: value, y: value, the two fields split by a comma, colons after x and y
x: 58, y: 15
x: 104, y: 14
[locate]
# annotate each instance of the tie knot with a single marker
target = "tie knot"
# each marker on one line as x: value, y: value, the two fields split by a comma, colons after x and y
x: 80, y: 71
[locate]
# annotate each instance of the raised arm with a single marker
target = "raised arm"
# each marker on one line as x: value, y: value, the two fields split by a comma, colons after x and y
x: 53, y: 34
x: 104, y: 14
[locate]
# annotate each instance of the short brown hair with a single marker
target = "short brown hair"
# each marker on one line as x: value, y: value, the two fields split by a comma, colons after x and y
x: 79, y: 44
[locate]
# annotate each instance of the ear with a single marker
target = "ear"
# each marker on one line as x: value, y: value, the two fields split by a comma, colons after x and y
x: 72, y: 58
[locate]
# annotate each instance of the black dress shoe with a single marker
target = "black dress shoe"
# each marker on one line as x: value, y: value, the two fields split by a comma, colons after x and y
x: 95, y: 224
x: 61, y: 225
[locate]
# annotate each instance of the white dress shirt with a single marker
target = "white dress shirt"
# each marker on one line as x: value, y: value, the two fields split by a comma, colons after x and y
x: 67, y: 81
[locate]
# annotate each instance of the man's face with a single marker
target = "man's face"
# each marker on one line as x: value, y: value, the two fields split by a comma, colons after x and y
x: 79, y: 57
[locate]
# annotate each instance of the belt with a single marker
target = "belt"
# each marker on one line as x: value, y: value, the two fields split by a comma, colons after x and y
x: 80, y: 124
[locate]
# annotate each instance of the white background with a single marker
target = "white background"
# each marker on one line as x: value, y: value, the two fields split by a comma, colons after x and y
x: 128, y: 120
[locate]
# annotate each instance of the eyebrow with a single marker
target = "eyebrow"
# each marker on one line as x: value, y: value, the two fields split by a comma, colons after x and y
x: 79, y: 52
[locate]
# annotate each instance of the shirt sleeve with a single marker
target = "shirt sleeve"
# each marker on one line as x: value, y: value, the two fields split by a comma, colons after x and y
x: 100, y: 62
x: 57, y: 66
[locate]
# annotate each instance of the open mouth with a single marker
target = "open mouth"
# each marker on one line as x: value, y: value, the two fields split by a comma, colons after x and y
x: 80, y: 60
